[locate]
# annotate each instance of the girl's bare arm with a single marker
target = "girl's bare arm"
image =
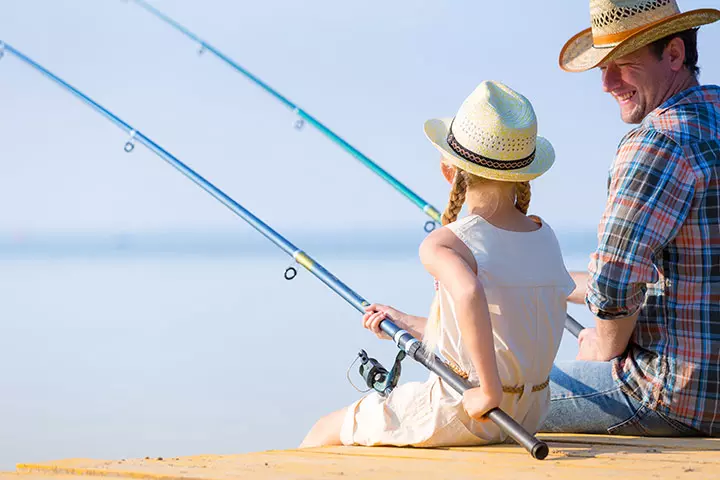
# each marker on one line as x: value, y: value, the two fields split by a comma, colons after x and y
x: 452, y: 263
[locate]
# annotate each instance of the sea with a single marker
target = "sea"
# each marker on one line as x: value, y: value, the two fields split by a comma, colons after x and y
x: 163, y: 344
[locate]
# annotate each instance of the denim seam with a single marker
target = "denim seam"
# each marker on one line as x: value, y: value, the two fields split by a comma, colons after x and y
x: 589, y: 395
x: 635, y: 420
x: 666, y: 418
x: 677, y: 426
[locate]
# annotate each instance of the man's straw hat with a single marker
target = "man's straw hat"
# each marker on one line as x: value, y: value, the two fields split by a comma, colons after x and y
x: 493, y: 135
x: 620, y: 27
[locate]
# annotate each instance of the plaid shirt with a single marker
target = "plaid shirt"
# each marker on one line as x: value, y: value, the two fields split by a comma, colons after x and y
x: 659, y: 253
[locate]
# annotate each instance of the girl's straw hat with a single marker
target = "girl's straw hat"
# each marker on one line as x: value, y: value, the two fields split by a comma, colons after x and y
x: 620, y: 27
x: 493, y: 135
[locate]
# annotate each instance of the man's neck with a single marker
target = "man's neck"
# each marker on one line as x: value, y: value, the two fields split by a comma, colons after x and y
x: 682, y: 81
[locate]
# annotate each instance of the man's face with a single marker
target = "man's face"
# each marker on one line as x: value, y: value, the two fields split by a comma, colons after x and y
x: 639, y: 82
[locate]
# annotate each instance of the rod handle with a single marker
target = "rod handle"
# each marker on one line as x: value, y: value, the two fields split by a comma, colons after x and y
x: 537, y: 448
x: 573, y: 326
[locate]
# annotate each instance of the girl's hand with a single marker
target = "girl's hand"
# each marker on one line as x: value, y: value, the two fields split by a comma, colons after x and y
x: 376, y: 313
x: 479, y: 401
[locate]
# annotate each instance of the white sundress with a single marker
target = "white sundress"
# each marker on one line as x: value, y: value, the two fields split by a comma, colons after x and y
x: 526, y: 285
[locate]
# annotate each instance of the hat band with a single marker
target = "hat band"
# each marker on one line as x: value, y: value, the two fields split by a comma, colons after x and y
x: 486, y: 162
x: 613, y: 39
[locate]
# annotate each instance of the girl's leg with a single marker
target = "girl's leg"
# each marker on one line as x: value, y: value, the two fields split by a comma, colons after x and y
x: 326, y: 431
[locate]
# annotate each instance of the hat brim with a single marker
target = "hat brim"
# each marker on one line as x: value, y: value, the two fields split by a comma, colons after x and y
x: 579, y: 54
x: 437, y: 130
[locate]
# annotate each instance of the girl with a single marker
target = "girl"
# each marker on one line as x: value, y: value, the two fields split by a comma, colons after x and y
x: 500, y: 306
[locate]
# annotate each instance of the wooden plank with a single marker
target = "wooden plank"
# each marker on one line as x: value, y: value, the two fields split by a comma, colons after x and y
x: 649, y: 442
x: 633, y: 454
x: 37, y: 476
x: 354, y: 468
x: 569, y: 460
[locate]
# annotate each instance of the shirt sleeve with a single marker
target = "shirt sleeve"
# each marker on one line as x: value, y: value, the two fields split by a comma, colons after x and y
x: 649, y: 195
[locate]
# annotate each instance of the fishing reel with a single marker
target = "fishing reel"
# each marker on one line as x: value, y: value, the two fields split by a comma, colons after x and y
x: 376, y: 376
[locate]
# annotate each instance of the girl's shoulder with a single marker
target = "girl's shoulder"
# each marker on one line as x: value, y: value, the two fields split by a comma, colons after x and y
x: 513, y: 257
x: 464, y: 224
x: 476, y: 228
x: 471, y: 229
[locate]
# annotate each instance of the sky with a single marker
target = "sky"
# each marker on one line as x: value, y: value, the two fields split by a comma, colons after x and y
x: 372, y: 71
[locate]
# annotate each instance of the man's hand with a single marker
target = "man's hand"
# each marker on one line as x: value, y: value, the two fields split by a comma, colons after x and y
x: 588, y: 347
x: 608, y: 340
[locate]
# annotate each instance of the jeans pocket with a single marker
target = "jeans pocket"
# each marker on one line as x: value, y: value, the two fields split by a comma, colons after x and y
x: 680, y: 429
x: 649, y: 423
x: 632, y: 426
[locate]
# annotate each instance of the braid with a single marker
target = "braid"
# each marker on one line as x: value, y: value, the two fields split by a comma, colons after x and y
x: 522, y: 196
x: 457, y: 198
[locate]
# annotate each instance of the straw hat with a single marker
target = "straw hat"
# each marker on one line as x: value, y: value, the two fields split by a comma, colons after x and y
x: 493, y: 135
x: 620, y: 27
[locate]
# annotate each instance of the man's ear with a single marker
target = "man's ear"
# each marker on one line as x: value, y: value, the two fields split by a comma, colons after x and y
x: 675, y: 52
x: 448, y: 171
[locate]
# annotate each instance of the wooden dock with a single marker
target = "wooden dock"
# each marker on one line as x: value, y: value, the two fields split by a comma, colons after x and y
x: 583, y: 457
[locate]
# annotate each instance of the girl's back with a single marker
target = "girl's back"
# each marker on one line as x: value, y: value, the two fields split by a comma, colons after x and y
x: 526, y: 285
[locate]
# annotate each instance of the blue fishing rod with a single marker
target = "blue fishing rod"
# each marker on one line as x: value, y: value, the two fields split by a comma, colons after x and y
x: 570, y: 323
x: 404, y: 340
x: 429, y: 210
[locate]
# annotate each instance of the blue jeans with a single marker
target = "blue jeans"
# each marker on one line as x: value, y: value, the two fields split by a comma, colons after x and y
x: 586, y: 399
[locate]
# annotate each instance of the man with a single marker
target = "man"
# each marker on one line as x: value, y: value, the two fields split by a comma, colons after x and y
x: 651, y: 366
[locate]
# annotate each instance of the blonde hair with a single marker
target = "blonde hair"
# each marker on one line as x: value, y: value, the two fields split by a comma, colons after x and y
x: 462, y: 181
x: 522, y: 196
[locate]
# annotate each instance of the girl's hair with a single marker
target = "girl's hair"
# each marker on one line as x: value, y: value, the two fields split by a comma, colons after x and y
x: 457, y: 197
x: 522, y: 196
x: 462, y: 181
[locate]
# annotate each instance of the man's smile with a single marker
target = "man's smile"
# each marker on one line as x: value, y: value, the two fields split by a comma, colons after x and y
x: 625, y: 97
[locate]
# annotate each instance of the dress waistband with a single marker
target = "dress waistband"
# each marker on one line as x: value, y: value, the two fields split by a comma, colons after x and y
x: 520, y: 389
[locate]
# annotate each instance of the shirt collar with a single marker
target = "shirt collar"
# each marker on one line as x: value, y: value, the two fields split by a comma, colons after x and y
x: 696, y: 94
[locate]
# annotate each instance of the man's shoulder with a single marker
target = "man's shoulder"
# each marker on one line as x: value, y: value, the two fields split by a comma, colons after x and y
x: 688, y: 117
x: 646, y: 141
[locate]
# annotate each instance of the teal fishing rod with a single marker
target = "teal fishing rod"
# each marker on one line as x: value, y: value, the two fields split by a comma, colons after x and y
x: 571, y: 325
x: 429, y: 210
x: 403, y: 339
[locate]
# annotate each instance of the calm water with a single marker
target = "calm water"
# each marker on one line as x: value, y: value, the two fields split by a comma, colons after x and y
x: 112, y: 349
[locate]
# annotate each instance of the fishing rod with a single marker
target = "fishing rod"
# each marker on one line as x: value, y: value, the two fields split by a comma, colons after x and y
x: 571, y: 325
x: 404, y: 340
x: 304, y: 116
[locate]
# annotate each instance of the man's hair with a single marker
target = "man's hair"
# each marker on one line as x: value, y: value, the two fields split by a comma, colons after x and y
x: 689, y: 38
